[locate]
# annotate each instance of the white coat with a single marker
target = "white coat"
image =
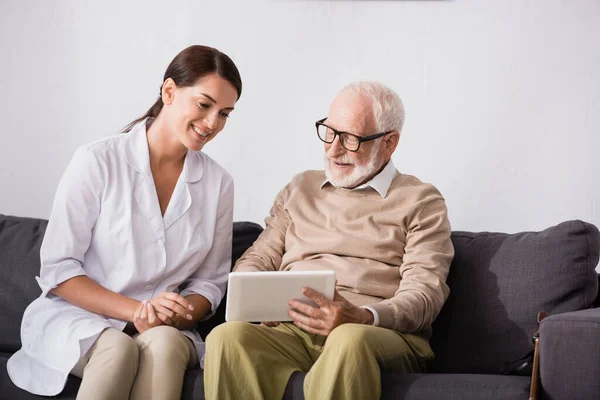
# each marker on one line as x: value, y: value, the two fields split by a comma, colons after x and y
x: 106, y: 224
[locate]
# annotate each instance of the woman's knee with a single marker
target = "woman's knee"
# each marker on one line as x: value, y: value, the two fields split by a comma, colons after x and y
x: 163, y: 341
x: 116, y: 347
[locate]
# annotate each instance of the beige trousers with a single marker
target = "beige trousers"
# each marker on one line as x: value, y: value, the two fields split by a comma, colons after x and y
x: 146, y: 366
x: 245, y: 361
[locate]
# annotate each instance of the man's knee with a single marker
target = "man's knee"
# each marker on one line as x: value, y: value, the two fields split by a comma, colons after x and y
x: 359, y: 342
x: 351, y: 337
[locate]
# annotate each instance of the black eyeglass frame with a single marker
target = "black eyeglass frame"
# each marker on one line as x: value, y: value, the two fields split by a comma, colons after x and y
x: 360, y: 139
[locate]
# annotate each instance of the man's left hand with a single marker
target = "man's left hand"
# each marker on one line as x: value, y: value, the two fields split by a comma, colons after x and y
x: 328, y: 315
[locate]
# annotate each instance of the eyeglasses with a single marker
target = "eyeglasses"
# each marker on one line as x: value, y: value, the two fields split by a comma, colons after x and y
x: 348, y: 141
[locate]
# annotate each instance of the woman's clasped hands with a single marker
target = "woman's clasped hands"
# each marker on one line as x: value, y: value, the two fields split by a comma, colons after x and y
x: 167, y: 308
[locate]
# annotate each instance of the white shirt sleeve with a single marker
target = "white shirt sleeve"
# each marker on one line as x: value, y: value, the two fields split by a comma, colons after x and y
x: 375, y: 315
x: 210, y: 279
x: 74, y: 212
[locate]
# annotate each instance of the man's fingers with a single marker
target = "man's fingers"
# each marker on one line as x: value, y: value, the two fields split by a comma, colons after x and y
x: 305, y: 308
x: 270, y: 324
x: 304, y: 319
x: 310, y: 329
x: 315, y: 296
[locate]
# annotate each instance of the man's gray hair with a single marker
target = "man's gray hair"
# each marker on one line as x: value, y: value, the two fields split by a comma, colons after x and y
x: 388, y: 109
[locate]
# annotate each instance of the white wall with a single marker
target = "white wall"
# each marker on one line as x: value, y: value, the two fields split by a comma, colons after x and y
x: 502, y: 97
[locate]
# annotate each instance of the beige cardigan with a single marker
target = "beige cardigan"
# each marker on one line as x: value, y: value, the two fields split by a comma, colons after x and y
x: 392, y: 253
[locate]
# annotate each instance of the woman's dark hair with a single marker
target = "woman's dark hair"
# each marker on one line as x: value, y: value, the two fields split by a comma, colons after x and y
x: 191, y: 65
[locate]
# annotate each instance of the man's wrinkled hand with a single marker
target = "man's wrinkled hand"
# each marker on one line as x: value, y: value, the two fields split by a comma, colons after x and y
x: 328, y: 315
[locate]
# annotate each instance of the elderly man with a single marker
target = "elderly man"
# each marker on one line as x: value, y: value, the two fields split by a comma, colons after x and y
x: 387, y: 237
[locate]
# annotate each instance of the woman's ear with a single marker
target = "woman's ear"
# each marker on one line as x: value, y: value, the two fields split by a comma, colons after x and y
x: 168, y: 91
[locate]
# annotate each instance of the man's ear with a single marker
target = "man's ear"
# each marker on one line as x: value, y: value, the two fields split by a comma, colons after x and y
x: 168, y: 91
x: 390, y: 143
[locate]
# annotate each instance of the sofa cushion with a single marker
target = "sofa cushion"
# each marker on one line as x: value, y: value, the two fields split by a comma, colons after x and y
x: 454, y: 387
x: 569, y: 356
x: 499, y: 282
x: 395, y: 385
x: 20, y: 241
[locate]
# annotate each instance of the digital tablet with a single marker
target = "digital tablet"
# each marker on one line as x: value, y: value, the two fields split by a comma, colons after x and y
x: 264, y: 296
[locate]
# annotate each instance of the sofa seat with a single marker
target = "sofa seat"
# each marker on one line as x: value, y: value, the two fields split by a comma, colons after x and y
x: 395, y: 386
x: 438, y: 386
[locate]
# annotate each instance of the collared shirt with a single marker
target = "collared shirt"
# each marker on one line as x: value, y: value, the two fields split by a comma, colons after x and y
x: 381, y: 183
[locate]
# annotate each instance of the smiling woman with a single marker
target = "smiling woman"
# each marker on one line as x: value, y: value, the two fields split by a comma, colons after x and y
x: 137, y: 248
x: 188, y: 67
x: 195, y: 114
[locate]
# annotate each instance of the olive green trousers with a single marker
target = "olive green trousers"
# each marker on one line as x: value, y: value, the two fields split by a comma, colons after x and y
x: 246, y: 361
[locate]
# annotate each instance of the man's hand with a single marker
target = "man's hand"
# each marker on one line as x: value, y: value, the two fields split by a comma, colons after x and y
x: 171, y: 307
x: 329, y: 315
x: 145, y: 317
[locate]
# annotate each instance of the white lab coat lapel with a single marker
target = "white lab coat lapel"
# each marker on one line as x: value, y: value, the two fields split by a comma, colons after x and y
x: 145, y: 195
x: 181, y: 200
x: 145, y: 192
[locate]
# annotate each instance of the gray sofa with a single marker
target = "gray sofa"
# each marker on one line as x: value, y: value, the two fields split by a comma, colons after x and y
x: 498, y: 284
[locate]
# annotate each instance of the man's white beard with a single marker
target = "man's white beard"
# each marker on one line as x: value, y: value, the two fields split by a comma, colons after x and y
x: 359, y: 172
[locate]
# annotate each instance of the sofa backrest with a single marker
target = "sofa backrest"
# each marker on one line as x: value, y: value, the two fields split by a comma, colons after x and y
x: 20, y: 241
x: 499, y: 282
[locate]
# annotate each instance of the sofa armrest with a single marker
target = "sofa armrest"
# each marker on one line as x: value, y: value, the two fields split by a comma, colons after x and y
x: 570, y: 355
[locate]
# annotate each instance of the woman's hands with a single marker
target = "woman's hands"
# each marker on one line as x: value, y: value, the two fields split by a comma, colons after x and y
x: 171, y: 308
x: 145, y: 317
x: 165, y: 309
